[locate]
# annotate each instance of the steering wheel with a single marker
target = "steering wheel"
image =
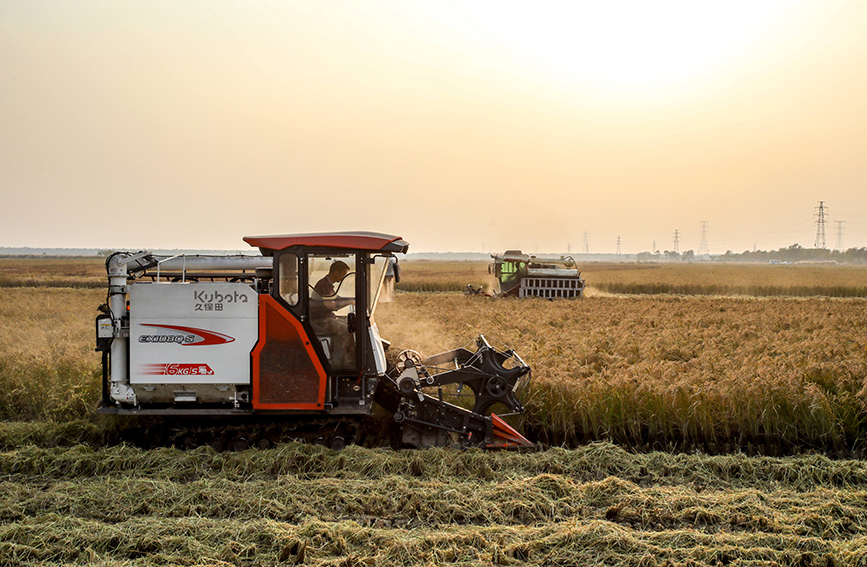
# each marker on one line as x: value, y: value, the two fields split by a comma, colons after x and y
x: 337, y: 287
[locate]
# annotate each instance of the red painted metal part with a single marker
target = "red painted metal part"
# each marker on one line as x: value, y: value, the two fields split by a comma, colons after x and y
x: 287, y: 373
x: 351, y: 240
x: 505, y: 435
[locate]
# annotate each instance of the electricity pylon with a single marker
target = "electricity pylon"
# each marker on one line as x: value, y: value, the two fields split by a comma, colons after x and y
x: 702, y: 247
x: 820, y: 225
x: 839, y: 245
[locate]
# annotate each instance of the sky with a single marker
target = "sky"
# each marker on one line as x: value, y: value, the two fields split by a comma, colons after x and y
x: 460, y: 126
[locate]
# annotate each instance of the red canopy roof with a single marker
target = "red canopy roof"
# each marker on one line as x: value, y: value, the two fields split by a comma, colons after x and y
x: 353, y: 240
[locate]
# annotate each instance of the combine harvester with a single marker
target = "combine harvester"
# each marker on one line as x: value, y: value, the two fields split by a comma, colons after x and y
x: 522, y: 275
x: 233, y: 351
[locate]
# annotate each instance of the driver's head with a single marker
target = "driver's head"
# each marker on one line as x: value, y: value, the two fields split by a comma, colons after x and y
x: 338, y: 270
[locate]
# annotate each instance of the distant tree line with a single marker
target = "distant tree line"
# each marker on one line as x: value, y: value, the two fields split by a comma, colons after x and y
x: 797, y: 253
x: 792, y: 254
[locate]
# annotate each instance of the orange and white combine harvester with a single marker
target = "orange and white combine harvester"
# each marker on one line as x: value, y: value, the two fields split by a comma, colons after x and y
x: 288, y: 338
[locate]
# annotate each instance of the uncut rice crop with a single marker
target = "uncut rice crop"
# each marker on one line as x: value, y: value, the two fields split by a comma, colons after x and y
x: 75, y: 272
x: 716, y: 374
x: 720, y: 279
x: 420, y: 275
x: 48, y: 369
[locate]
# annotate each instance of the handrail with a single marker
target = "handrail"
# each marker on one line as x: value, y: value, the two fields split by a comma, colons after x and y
x: 183, y: 269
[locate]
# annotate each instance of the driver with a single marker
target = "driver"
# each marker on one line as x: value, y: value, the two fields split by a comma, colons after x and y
x: 326, y: 290
x: 324, y: 302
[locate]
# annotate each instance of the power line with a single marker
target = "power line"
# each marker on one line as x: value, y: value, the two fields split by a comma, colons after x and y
x: 796, y: 223
x: 676, y: 241
x: 618, y: 245
x: 852, y: 219
x: 586, y: 243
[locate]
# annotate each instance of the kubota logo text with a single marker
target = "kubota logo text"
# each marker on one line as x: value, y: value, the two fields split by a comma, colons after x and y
x: 215, y: 301
x: 190, y: 336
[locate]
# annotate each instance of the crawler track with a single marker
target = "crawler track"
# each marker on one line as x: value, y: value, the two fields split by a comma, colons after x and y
x: 234, y: 434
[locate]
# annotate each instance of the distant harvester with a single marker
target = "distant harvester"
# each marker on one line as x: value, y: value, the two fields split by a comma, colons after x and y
x: 523, y: 275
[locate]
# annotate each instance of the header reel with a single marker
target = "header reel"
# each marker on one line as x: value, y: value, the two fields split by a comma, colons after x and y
x: 446, y: 398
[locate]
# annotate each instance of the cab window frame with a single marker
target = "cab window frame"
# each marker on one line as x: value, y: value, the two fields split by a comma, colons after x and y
x: 281, y: 280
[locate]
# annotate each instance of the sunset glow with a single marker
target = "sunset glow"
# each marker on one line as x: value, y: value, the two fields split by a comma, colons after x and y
x: 459, y: 125
x: 627, y: 46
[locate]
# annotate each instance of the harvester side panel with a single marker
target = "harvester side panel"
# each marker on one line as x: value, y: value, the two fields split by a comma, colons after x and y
x: 287, y: 374
x: 191, y: 333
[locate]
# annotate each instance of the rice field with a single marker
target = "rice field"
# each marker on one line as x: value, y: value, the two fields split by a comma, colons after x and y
x: 688, y: 429
x: 421, y: 275
x: 74, y: 272
x: 769, y: 375
x: 750, y: 280
x: 299, y: 504
x: 753, y: 280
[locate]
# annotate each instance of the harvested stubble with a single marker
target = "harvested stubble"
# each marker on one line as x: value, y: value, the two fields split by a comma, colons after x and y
x: 96, y: 431
x: 299, y: 503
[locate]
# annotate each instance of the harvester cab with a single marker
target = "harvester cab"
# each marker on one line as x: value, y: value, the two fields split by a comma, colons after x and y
x: 287, y: 337
x: 522, y: 275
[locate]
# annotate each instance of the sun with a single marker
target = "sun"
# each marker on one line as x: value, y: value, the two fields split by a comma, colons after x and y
x: 624, y: 45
